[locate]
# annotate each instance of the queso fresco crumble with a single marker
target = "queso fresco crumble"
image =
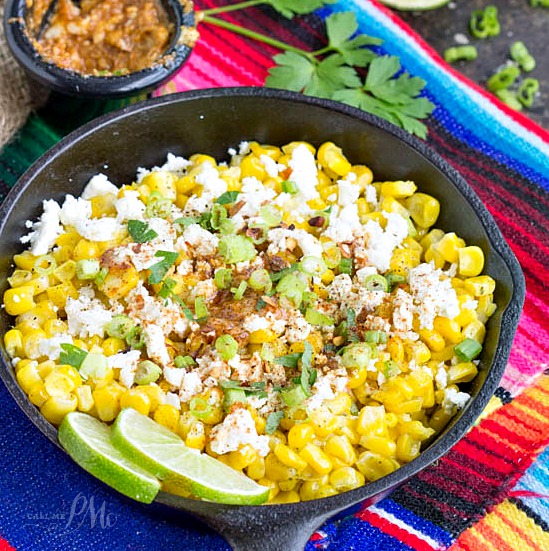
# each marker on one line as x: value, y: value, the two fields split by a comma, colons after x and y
x: 283, y: 312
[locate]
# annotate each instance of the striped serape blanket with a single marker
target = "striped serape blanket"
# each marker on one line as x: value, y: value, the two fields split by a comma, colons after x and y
x: 491, y: 491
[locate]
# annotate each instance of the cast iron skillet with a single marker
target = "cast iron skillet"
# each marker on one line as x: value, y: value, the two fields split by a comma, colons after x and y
x: 74, y: 84
x: 211, y: 121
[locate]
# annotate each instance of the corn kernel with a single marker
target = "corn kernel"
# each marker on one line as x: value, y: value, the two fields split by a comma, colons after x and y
x: 55, y: 408
x: 299, y: 435
x: 480, y: 286
x: 475, y: 330
x: 242, y: 458
x: 13, y: 341
x: 196, y: 437
x: 19, y: 300
x: 463, y: 372
x: 323, y: 422
x: 285, y: 497
x: 38, y: 394
x: 435, y: 341
x: 289, y: 457
x: 136, y: 399
x: 449, y: 329
x: 407, y: 448
x: 168, y: 416
x: 346, y: 478
x: 371, y: 420
x: 316, y: 458
x: 276, y: 470
x: 256, y: 469
x: 449, y: 247
x: 424, y: 209
x: 330, y: 156
x: 107, y: 401
x: 162, y: 182
x: 379, y: 444
x: 85, y: 399
x: 341, y: 447
x: 28, y: 375
x: 374, y: 466
x: 470, y: 261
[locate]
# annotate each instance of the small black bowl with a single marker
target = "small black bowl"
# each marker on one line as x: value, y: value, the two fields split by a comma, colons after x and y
x: 212, y: 121
x: 74, y: 84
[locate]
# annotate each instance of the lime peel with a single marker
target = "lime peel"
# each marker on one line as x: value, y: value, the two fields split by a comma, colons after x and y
x: 410, y: 5
x: 183, y: 470
x: 88, y: 441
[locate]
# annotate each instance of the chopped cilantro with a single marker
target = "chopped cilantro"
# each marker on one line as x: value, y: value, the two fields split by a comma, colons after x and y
x: 273, y: 420
x: 159, y: 270
x: 290, y: 360
x: 227, y: 198
x: 72, y: 355
x: 140, y: 232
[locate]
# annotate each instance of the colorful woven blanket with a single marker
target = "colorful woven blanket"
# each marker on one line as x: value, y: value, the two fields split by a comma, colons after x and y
x: 491, y: 491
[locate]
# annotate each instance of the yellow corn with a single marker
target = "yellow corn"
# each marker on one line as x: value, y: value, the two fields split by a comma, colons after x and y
x: 371, y: 420
x: 463, y: 372
x: 346, y: 478
x: 289, y: 457
x: 19, y: 300
x: 119, y: 282
x: 85, y: 399
x: 276, y: 470
x: 435, y: 341
x: 168, y: 416
x: 374, y: 466
x: 323, y: 422
x: 262, y: 335
x: 55, y: 408
x: 398, y: 189
x: 470, y: 261
x: 424, y: 209
x: 38, y: 394
x: 20, y: 277
x: 341, y: 447
x: 299, y: 435
x: 163, y: 182
x: 331, y: 157
x: 403, y: 260
x: 449, y: 247
x: 137, y: 399
x: 13, y: 341
x: 28, y: 375
x: 449, y: 329
x: 107, y: 401
x: 66, y: 271
x: 253, y: 166
x: 480, y: 286
x: 475, y: 330
x: 31, y: 343
x: 285, y: 497
x: 256, y: 469
x: 379, y: 444
x: 407, y: 448
x: 25, y: 260
x: 316, y: 458
x: 242, y: 458
x: 196, y: 437
x: 86, y: 249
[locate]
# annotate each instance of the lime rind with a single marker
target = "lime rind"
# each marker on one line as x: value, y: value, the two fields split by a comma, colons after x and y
x: 183, y: 470
x: 88, y: 441
x: 414, y: 5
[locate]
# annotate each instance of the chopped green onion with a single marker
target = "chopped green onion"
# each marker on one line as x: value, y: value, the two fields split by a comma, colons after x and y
x: 233, y: 396
x: 293, y: 396
x: 227, y: 198
x: 273, y: 420
x: 460, y: 53
x: 312, y: 266
x: 257, y: 233
x: 376, y: 282
x: 503, y: 79
x: 87, y: 268
x: 140, y: 231
x: 135, y: 338
x: 309, y: 299
x: 200, y: 308
x: 226, y: 346
x: 468, y: 350
x: 184, y: 361
x: 509, y: 98
x: 289, y: 187
x: 394, y: 279
x: 147, y: 372
x: 119, y: 326
x: 356, y: 356
x: 375, y: 337
x: 100, y: 277
x: 331, y: 254
x: 200, y: 408
x: 236, y: 248
x: 238, y: 292
x: 270, y: 215
x: 346, y: 266
x: 218, y: 216
x: 484, y: 23
x: 528, y: 88
x: 522, y: 56
x: 292, y: 287
x: 94, y: 366
x: 267, y: 352
x: 391, y: 369
x: 158, y: 208
x: 45, y: 264
x: 277, y: 276
x: 314, y: 317
x: 223, y: 278
x: 260, y: 280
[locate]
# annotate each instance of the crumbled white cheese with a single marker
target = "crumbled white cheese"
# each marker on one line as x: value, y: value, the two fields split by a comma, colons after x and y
x: 190, y: 386
x: 174, y: 376
x: 271, y: 166
x: 371, y: 195
x: 381, y: 243
x: 202, y: 242
x: 348, y: 192
x: 304, y: 171
x: 237, y: 429
x: 75, y: 210
x: 433, y: 294
x: 454, y: 399
x: 127, y: 363
x: 45, y: 230
x: 155, y: 343
x: 129, y: 207
x: 98, y: 185
x: 175, y: 163
x: 363, y: 273
x: 322, y: 390
x: 403, y: 314
x: 255, y: 322
x: 298, y: 328
x: 86, y: 315
x: 344, y: 224
x: 309, y: 244
x: 441, y: 378
x: 172, y: 399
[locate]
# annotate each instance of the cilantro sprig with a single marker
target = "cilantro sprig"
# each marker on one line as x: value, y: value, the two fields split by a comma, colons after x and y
x: 345, y: 70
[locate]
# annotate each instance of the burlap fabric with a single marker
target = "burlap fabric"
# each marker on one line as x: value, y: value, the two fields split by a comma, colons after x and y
x: 18, y: 96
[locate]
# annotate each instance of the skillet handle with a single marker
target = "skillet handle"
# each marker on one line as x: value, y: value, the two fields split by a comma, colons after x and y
x: 291, y: 536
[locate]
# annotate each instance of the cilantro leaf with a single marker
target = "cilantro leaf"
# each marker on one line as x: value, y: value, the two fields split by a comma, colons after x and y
x: 340, y: 27
x: 72, y: 355
x: 308, y: 375
x: 159, y: 270
x: 292, y: 72
x: 187, y: 220
x: 290, y: 8
x: 273, y: 420
x: 290, y: 360
x: 227, y: 198
x: 140, y: 232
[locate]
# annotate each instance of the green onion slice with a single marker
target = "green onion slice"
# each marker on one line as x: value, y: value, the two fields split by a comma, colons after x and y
x: 376, y: 282
x: 468, y: 349
x: 226, y: 346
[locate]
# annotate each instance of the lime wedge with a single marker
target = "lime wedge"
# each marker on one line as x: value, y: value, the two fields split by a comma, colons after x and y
x: 410, y: 5
x: 87, y: 440
x: 183, y: 470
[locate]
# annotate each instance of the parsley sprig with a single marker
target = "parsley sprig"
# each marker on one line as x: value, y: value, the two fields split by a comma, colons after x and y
x: 345, y: 70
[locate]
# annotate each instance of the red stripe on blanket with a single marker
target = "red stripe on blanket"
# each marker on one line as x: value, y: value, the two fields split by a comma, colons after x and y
x: 395, y: 531
x: 5, y: 546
